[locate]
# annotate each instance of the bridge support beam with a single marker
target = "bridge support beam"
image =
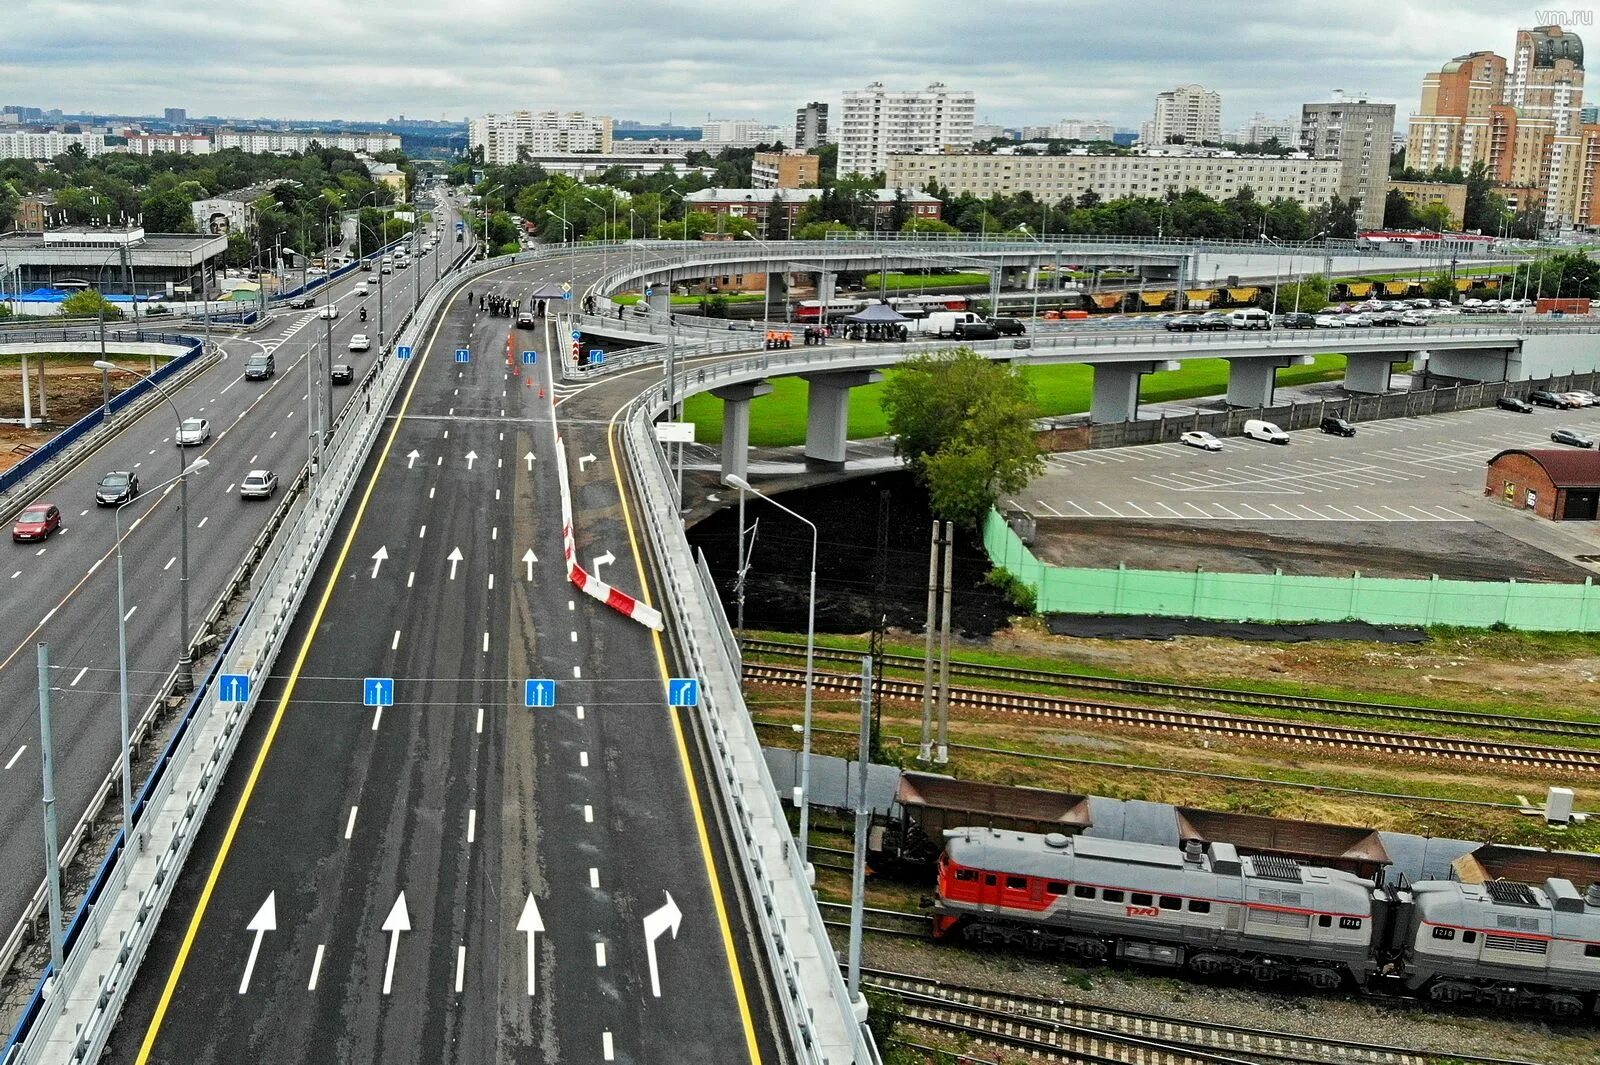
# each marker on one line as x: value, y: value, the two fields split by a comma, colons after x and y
x: 1251, y: 379
x: 660, y: 301
x: 828, y: 414
x: 1368, y: 371
x: 826, y: 283
x: 736, y: 424
x: 1116, y: 388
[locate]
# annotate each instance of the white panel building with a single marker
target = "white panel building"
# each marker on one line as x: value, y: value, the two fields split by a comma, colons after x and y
x: 1190, y: 113
x: 509, y: 135
x: 21, y: 145
x: 720, y: 133
x: 876, y: 123
x: 279, y: 142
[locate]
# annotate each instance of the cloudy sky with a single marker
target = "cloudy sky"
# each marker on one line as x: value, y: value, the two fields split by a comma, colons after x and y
x: 1028, y: 61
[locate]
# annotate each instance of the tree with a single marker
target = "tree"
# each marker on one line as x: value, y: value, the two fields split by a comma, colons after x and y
x: 1398, y: 211
x: 1480, y: 213
x: 88, y: 303
x: 1309, y: 295
x: 167, y: 212
x: 928, y: 225
x: 1439, y: 288
x: 965, y: 426
x: 9, y: 202
x: 1434, y: 216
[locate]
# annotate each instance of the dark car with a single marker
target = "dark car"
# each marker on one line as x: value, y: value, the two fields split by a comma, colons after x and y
x: 300, y: 303
x: 1541, y: 398
x: 342, y: 373
x: 1571, y: 437
x: 975, y: 331
x: 1521, y: 406
x: 1385, y: 318
x: 116, y: 487
x: 259, y: 367
x: 1214, y: 322
x: 1183, y: 323
x: 526, y: 320
x: 37, y: 522
x: 1009, y: 327
x: 1299, y: 320
x: 1337, y: 427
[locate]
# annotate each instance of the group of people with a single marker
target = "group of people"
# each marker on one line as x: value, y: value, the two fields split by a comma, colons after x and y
x: 503, y: 306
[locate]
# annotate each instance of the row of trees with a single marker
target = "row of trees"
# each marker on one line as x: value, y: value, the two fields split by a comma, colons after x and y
x: 1486, y: 210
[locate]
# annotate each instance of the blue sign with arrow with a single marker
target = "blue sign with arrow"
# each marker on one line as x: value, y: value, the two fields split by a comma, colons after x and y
x: 596, y: 357
x: 539, y: 691
x: 378, y: 691
x: 683, y: 691
x: 463, y: 354
x: 403, y: 351
x: 529, y: 358
x: 234, y: 687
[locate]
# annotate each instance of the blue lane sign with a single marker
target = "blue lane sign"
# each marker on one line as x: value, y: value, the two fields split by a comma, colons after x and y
x: 596, y: 357
x: 234, y: 687
x: 463, y: 354
x: 529, y: 358
x: 378, y: 691
x: 539, y: 691
x: 649, y: 290
x: 577, y: 334
x: 566, y: 295
x: 403, y: 351
x: 460, y: 226
x: 683, y: 691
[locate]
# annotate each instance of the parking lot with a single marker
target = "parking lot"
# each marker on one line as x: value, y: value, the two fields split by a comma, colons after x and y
x: 1377, y: 490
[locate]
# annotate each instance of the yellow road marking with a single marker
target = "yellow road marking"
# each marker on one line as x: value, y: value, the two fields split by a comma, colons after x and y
x: 277, y: 719
x: 752, y: 1047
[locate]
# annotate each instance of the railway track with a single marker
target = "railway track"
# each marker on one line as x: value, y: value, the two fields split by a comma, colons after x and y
x: 875, y: 919
x: 1070, y: 1031
x: 1201, y: 722
x: 1194, y: 693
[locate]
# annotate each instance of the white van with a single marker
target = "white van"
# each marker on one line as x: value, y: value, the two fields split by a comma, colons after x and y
x: 1256, y: 429
x: 1250, y: 318
x: 943, y: 323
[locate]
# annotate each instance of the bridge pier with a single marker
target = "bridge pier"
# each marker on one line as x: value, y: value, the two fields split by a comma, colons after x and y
x: 828, y: 414
x: 660, y: 301
x: 1368, y: 371
x: 1251, y: 379
x: 827, y: 282
x: 736, y: 424
x: 1116, y: 388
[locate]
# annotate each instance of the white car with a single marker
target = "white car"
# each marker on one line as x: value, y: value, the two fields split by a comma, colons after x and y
x: 258, y: 484
x: 1202, y: 440
x: 1256, y: 429
x: 388, y: 269
x: 372, y: 279
x: 360, y: 342
x: 193, y: 432
x: 359, y: 290
x: 330, y: 310
x: 1329, y: 321
x: 1413, y: 318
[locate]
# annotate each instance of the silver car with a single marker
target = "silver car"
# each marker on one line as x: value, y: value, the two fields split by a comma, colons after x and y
x: 258, y: 484
x: 193, y: 432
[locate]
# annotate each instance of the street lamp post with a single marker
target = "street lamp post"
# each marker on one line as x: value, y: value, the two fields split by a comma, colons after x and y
x: 766, y: 297
x: 122, y: 665
x: 185, y: 657
x: 803, y: 792
x: 605, y: 259
x: 483, y: 201
x: 573, y: 239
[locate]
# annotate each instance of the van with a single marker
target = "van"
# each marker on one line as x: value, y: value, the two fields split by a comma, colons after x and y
x: 1250, y: 318
x: 259, y: 367
x: 943, y: 323
x: 1256, y: 429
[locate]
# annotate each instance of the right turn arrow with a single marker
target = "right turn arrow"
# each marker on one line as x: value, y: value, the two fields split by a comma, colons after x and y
x: 531, y: 923
x: 413, y: 457
x: 398, y: 921
x: 377, y: 559
x: 668, y: 917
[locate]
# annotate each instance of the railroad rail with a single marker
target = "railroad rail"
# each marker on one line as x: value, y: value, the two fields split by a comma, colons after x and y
x: 1199, y: 693
x: 1108, y: 1033
x: 911, y: 925
x: 1148, y: 717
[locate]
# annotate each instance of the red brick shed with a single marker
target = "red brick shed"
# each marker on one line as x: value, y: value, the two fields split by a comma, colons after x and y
x: 1559, y: 484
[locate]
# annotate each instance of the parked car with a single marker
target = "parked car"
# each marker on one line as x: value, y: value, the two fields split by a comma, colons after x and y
x: 1249, y: 318
x: 330, y: 310
x: 1329, y: 321
x: 1385, y: 318
x: 1413, y: 318
x: 1299, y: 320
x: 1521, y: 406
x: 258, y: 484
x: 342, y: 373
x: 1581, y: 397
x: 1541, y: 398
x: 36, y: 522
x: 1183, y: 323
x: 1257, y: 429
x: 361, y: 342
x: 118, y: 486
x: 259, y: 367
x: 525, y: 320
x: 1572, y: 438
x: 193, y: 432
x: 1334, y: 426
x: 1202, y: 440
x: 1360, y: 320
x: 1009, y: 327
x: 1214, y: 321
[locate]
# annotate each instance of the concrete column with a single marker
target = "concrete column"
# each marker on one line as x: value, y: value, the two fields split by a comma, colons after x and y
x: 27, y: 396
x: 1251, y: 378
x: 1368, y: 371
x: 828, y: 414
x: 660, y: 301
x: 826, y: 282
x: 1033, y: 278
x: 1116, y: 388
x: 736, y: 424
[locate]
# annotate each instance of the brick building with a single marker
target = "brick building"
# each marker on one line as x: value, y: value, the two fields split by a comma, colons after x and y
x: 1561, y: 485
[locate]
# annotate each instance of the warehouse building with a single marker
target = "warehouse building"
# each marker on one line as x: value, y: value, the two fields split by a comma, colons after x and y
x: 1561, y: 485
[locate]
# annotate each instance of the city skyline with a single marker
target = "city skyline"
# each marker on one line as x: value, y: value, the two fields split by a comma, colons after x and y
x: 1027, y: 61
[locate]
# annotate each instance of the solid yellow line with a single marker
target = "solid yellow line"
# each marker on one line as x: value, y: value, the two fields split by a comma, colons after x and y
x: 751, y: 1045
x: 277, y: 720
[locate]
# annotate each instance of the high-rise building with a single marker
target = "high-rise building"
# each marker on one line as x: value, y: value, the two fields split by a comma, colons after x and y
x: 876, y: 123
x: 507, y: 137
x: 811, y: 126
x: 720, y: 133
x: 1077, y: 129
x: 19, y: 145
x: 1260, y: 129
x: 174, y: 143
x: 1358, y: 133
x: 1189, y: 114
x: 177, y: 115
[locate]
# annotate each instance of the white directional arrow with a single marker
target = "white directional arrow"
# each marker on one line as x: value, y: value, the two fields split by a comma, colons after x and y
x: 398, y: 921
x: 668, y: 918
x: 531, y: 923
x: 603, y: 560
x: 529, y: 459
x: 583, y: 462
x: 472, y: 456
x: 712, y: 497
x: 455, y: 558
x: 528, y: 557
x: 413, y: 457
x: 377, y: 560
x: 265, y: 920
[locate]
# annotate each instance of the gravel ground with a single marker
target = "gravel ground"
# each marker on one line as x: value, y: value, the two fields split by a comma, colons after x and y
x: 1328, y: 1016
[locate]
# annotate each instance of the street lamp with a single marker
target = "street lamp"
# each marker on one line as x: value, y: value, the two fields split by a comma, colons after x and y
x: 565, y: 225
x: 604, y: 257
x: 766, y: 297
x: 122, y: 661
x: 802, y: 793
x: 483, y: 200
x: 185, y: 658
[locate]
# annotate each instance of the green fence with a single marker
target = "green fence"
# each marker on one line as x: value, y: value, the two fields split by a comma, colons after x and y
x: 1274, y: 597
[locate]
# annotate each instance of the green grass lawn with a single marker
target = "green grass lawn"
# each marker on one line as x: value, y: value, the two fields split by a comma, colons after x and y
x: 779, y: 419
x: 902, y: 282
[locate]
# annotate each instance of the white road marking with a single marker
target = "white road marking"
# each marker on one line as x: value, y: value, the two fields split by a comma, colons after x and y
x: 583, y: 759
x: 572, y: 604
x: 594, y: 878
x: 430, y: 493
x: 129, y: 614
x: 461, y: 966
x: 395, y: 644
x: 574, y: 635
x: 491, y: 582
x: 494, y: 533
x: 350, y: 825
x: 16, y: 756
x: 17, y: 574
x: 486, y: 643
x: 600, y: 955
x: 607, y: 1052
x: 480, y: 719
x: 203, y: 521
x: 78, y: 677
x: 316, y: 967
x: 170, y: 561
x: 439, y: 461
x: 377, y: 716
x: 272, y: 435
x: 588, y: 814
x: 410, y: 577
x: 580, y: 711
x: 577, y: 671
x: 472, y: 825
x: 226, y: 491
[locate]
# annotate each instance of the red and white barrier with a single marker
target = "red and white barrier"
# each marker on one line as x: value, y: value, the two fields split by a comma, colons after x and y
x: 591, y: 585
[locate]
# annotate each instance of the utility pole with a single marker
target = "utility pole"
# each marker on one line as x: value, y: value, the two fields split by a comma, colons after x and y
x: 52, y: 848
x: 858, y: 866
x: 925, y: 745
x: 943, y: 754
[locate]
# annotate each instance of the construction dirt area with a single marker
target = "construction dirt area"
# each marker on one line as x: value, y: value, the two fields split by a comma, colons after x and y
x: 72, y: 389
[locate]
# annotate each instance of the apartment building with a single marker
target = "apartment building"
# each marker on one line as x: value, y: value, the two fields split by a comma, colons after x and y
x: 722, y: 133
x: 174, y: 143
x: 1358, y: 133
x: 28, y: 145
x: 1426, y: 193
x: 785, y: 170
x: 877, y: 123
x: 280, y: 142
x: 508, y: 137
x: 757, y: 206
x: 811, y: 126
x: 1189, y: 114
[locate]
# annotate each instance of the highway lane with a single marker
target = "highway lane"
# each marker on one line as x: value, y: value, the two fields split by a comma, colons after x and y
x: 64, y: 591
x: 458, y: 795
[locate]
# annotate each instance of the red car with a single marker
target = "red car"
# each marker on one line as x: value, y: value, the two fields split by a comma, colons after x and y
x: 36, y: 523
